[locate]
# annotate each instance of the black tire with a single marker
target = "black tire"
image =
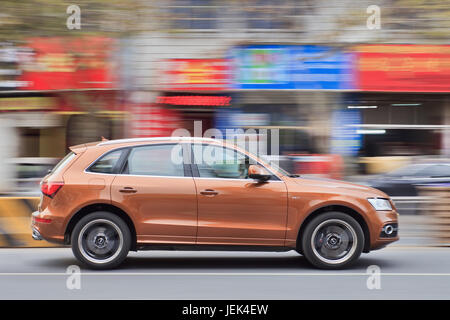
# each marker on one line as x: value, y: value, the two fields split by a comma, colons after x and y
x: 101, y: 240
x: 322, y: 240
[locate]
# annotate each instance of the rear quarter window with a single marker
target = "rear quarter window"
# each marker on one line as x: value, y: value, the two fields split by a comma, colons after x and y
x: 107, y: 163
x: 63, y: 163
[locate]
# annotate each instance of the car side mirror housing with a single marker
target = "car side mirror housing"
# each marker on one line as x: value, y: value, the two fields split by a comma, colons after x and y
x: 258, y: 172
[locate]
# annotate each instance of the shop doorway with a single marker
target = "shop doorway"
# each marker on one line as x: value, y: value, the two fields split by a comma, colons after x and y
x: 189, y: 119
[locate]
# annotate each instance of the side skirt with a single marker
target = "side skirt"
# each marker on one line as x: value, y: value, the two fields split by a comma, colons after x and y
x: 207, y: 247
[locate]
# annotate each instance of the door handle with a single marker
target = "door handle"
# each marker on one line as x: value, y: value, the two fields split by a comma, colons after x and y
x: 209, y: 192
x: 128, y: 190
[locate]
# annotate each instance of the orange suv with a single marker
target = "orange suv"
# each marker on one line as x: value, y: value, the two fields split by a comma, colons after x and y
x: 109, y: 197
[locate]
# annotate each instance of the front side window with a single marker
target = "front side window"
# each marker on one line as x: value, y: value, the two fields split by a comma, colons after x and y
x: 156, y: 160
x: 220, y: 162
x: 107, y: 163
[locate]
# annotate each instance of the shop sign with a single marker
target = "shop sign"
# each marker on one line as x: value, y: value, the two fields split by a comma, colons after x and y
x: 215, y: 101
x: 407, y: 68
x: 260, y: 67
x: 68, y: 63
x: 149, y: 120
x: 195, y: 74
x: 291, y: 67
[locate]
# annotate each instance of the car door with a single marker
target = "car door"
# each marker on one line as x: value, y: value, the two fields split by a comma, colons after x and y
x: 158, y: 191
x: 232, y: 208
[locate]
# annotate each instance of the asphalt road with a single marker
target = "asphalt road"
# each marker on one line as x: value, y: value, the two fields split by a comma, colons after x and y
x: 406, y: 273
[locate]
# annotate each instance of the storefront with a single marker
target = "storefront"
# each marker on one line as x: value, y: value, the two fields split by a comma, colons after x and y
x: 291, y: 89
x: 190, y: 93
x: 64, y: 94
x: 197, y: 112
x: 403, y: 102
x: 80, y: 82
x: 400, y: 124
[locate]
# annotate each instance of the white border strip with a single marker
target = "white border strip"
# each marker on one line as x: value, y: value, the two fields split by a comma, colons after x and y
x: 257, y: 274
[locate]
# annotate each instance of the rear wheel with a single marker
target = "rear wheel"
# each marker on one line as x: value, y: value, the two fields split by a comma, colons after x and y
x: 101, y: 240
x: 332, y: 240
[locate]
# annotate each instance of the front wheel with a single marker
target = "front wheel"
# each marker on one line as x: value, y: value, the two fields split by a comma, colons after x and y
x: 101, y: 240
x: 332, y: 240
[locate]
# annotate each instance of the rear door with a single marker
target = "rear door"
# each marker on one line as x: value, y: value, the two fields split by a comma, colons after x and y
x: 156, y: 188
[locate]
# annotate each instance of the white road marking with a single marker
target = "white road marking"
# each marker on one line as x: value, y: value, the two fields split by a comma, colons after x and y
x: 217, y: 274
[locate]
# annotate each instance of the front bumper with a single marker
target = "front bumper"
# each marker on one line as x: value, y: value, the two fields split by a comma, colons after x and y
x: 379, y: 237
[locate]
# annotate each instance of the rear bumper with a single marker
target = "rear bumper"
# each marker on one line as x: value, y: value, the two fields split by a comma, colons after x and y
x: 46, y: 231
x: 35, y: 234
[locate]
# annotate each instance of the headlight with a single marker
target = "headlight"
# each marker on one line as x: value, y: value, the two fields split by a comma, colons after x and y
x: 380, y: 204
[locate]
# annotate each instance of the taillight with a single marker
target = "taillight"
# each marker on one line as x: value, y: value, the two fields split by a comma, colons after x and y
x: 50, y: 189
x: 42, y: 220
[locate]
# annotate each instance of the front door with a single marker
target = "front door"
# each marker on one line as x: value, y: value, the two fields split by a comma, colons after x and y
x: 232, y: 208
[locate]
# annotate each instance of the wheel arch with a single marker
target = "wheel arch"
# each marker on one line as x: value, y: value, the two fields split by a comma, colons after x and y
x: 339, y: 208
x: 100, y: 207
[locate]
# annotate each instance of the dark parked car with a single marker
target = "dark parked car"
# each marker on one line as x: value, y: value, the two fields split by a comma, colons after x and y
x: 403, y: 182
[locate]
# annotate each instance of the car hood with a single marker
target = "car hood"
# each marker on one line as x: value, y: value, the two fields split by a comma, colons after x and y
x: 334, y: 185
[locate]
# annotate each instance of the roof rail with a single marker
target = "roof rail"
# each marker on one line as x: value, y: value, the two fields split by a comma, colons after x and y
x: 130, y: 140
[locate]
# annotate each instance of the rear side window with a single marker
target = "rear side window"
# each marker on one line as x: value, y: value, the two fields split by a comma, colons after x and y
x: 107, y: 163
x: 63, y: 162
x: 156, y: 160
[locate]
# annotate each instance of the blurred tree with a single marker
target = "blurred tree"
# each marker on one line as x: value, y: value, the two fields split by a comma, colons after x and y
x: 326, y: 21
x: 414, y: 21
x: 425, y: 18
x: 31, y: 18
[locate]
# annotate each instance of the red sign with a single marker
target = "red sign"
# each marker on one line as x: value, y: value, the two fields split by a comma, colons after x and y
x: 409, y: 68
x: 196, y: 74
x: 217, y: 101
x: 150, y: 120
x: 68, y: 63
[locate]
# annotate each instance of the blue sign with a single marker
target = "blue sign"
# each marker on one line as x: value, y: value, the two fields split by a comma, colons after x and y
x: 291, y: 67
x: 260, y: 67
x: 344, y: 138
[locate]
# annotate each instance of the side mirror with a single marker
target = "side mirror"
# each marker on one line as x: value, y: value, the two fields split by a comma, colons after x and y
x: 258, y: 172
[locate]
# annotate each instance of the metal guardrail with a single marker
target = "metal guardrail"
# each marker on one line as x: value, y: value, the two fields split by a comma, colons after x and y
x: 413, y: 205
x: 415, y: 199
x: 438, y: 211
